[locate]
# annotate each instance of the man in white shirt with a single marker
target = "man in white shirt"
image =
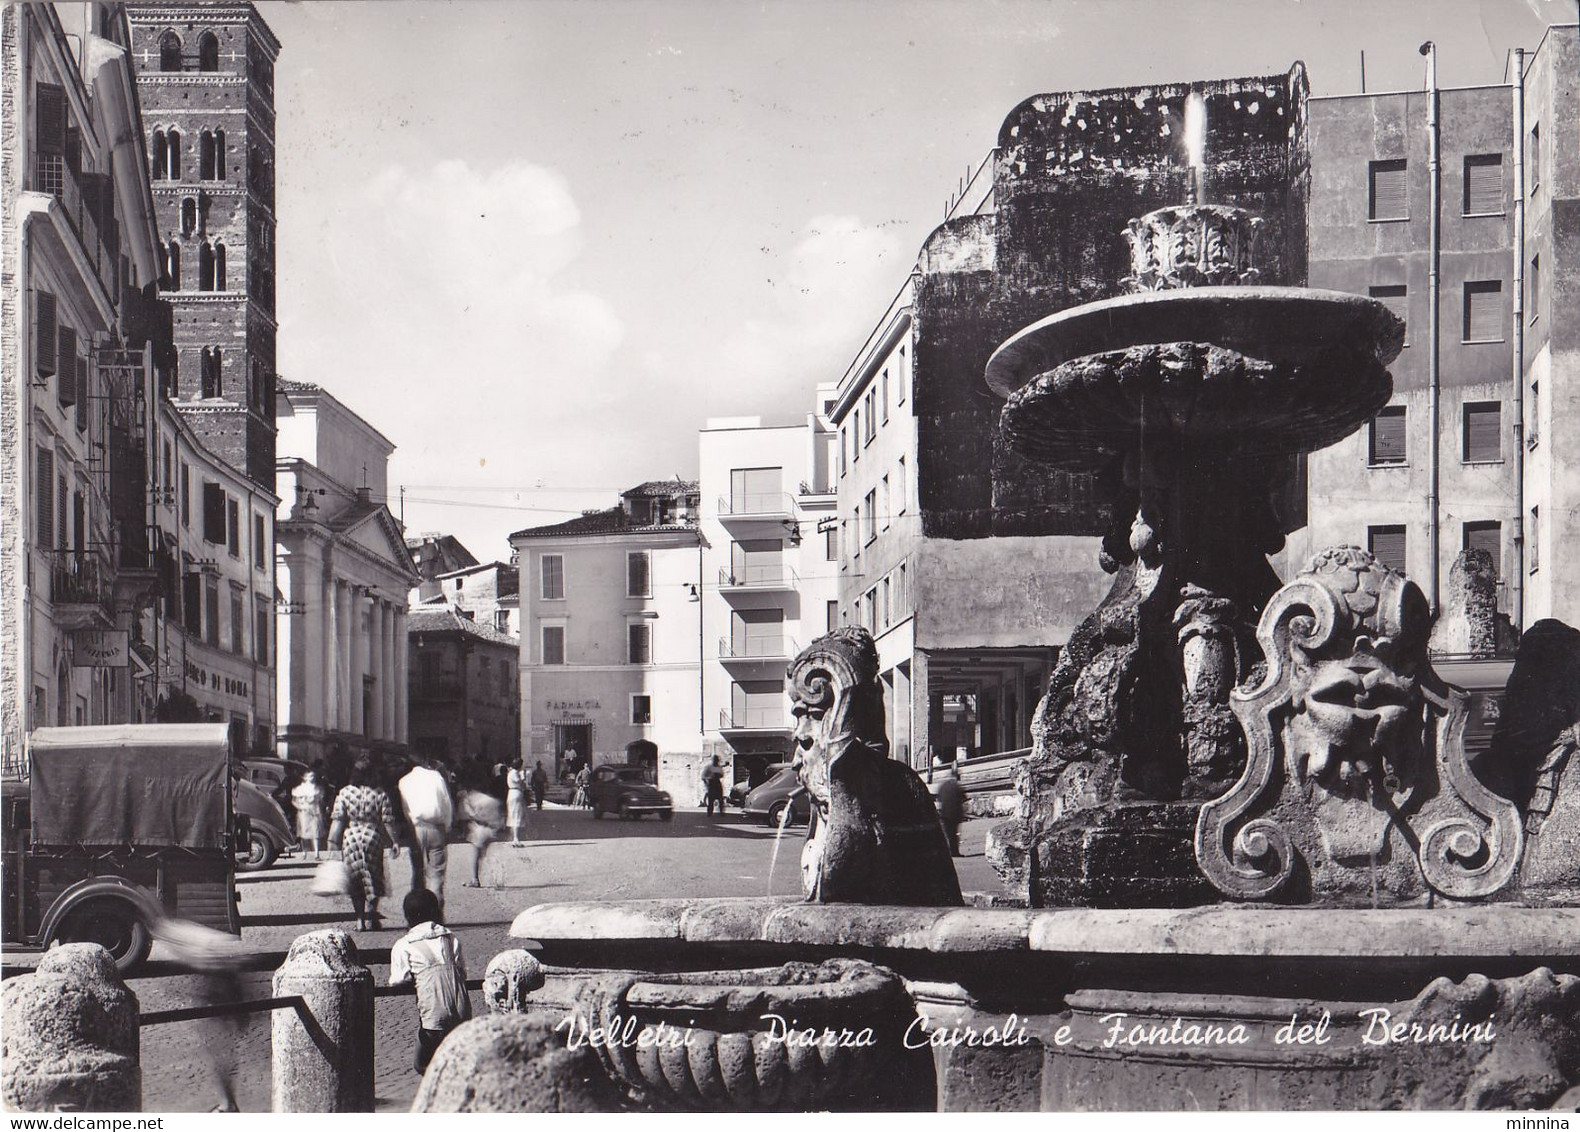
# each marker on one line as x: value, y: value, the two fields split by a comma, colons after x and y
x: 425, y: 796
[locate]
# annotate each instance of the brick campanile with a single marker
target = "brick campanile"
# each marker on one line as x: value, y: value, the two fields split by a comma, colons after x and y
x: 205, y: 77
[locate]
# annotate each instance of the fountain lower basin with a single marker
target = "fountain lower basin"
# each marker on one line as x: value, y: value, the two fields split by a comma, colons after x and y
x: 1051, y: 983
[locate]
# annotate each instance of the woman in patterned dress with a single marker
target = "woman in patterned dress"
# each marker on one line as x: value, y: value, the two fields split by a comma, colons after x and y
x: 362, y: 811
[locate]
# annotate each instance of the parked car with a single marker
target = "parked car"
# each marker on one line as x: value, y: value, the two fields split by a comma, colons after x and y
x: 269, y: 775
x: 781, y: 792
x: 737, y: 795
x: 115, y: 828
x: 270, y: 833
x: 625, y: 790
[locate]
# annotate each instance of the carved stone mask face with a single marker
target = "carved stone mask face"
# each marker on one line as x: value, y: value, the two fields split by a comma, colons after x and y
x: 812, y: 754
x: 826, y: 682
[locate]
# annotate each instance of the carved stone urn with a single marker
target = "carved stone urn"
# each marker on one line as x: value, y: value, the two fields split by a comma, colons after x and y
x: 779, y: 1039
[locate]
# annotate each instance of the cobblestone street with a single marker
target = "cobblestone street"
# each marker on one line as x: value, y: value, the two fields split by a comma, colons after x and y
x: 570, y: 857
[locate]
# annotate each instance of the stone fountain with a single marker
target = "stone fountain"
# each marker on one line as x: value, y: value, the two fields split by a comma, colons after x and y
x: 1256, y: 868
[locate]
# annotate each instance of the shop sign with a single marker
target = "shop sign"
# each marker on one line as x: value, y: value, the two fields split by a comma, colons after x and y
x: 101, y: 648
x: 217, y: 681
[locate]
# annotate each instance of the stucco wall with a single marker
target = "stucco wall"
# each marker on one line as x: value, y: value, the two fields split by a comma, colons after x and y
x: 1005, y: 592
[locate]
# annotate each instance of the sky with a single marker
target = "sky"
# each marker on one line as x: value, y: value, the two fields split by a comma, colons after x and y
x: 537, y: 244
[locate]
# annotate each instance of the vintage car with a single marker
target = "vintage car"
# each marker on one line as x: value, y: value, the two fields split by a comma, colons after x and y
x: 627, y: 791
x: 737, y: 795
x: 271, y: 832
x: 115, y: 828
x: 780, y: 793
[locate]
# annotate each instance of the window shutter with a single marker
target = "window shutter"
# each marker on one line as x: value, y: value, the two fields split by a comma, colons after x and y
x: 1483, y: 311
x: 49, y: 107
x: 66, y: 362
x: 636, y: 574
x: 1389, y: 191
x: 640, y: 650
x: 1484, y: 432
x: 44, y: 333
x: 213, y: 513
x: 44, y: 497
x: 1387, y: 546
x: 62, y: 506
x: 192, y: 602
x: 82, y: 394
x: 1484, y: 183
x: 1388, y: 436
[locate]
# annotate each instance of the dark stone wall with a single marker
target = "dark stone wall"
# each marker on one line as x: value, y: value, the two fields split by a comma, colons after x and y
x: 1071, y: 171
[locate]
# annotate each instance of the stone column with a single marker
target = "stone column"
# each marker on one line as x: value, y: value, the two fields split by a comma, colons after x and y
x: 402, y: 677
x: 374, y: 723
x: 323, y: 1051
x: 357, y: 644
x: 341, y: 652
x: 288, y: 650
x: 389, y: 675
x: 71, y: 1038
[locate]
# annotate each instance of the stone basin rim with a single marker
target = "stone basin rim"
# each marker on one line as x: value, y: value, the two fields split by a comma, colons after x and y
x: 1470, y: 931
x: 1215, y: 315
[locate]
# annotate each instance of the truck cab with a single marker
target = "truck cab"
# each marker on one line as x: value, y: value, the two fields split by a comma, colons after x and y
x: 115, y: 828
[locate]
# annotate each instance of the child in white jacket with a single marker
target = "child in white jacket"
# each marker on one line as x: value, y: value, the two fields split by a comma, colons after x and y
x: 429, y: 955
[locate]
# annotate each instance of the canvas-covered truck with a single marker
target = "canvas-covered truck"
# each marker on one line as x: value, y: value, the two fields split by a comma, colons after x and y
x: 115, y: 827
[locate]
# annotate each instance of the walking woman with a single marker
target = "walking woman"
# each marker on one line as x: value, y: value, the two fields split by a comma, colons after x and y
x: 308, y: 798
x: 362, y: 811
x: 515, y: 802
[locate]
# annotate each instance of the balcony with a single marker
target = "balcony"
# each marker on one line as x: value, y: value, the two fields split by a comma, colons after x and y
x: 775, y: 506
x: 81, y: 589
x: 84, y: 199
x: 754, y: 721
x: 758, y: 579
x: 758, y: 652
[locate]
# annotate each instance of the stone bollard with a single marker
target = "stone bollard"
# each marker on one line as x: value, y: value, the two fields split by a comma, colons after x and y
x: 70, y: 1041
x: 323, y: 1053
x: 511, y: 977
x: 515, y: 1063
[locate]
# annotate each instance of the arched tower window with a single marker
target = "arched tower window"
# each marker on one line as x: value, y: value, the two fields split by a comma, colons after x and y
x: 219, y: 267
x: 175, y: 265
x: 210, y: 372
x: 170, y: 52
x: 159, y: 160
x: 206, y: 156
x: 188, y: 216
x: 175, y: 155
x: 219, y: 154
x: 208, y: 52
x: 205, y: 267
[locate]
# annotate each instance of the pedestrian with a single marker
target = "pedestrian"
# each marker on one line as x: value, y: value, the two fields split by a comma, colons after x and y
x: 583, y: 777
x: 515, y: 802
x: 952, y: 806
x: 429, y: 956
x: 540, y: 784
x: 425, y: 797
x: 362, y: 824
x: 308, y: 798
x: 713, y: 785
x: 483, y: 817
x: 217, y: 958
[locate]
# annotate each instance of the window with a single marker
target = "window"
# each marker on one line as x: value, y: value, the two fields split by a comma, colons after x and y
x: 170, y: 52
x: 233, y: 528
x: 855, y: 438
x: 885, y: 396
x: 900, y: 595
x: 831, y: 544
x: 870, y: 530
x: 211, y: 610
x: 213, y: 513
x: 219, y: 155
x: 210, y: 370
x: 192, y: 600
x: 1482, y: 432
x: 900, y: 392
x: 159, y: 157
x: 206, y: 156
x: 1487, y: 536
x: 238, y: 621
x: 1533, y: 288
x: 219, y: 267
x: 1387, y: 445
x: 887, y: 503
x: 1534, y: 157
x: 554, y: 644
x: 639, y: 644
x: 260, y: 630
x: 79, y: 522
x: 1484, y: 311
x: 833, y: 617
x: 757, y: 491
x: 1533, y: 539
x: 66, y: 359
x: 901, y: 489
x: 173, y: 265
x: 844, y: 448
x: 45, y: 333
x: 44, y: 499
x: 1389, y: 197
x: 638, y: 574
x: 1533, y: 413
x: 872, y: 611
x: 888, y: 607
x: 174, y: 138
x: 502, y: 620
x: 551, y: 573
x: 1394, y: 297
x: 641, y: 709
x: 208, y: 52
x: 1387, y: 546
x: 260, y: 553
x: 188, y: 216
x: 855, y: 550
x: 186, y: 494
x: 1483, y: 184
x: 206, y: 266
x: 872, y: 418
x: 757, y: 561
